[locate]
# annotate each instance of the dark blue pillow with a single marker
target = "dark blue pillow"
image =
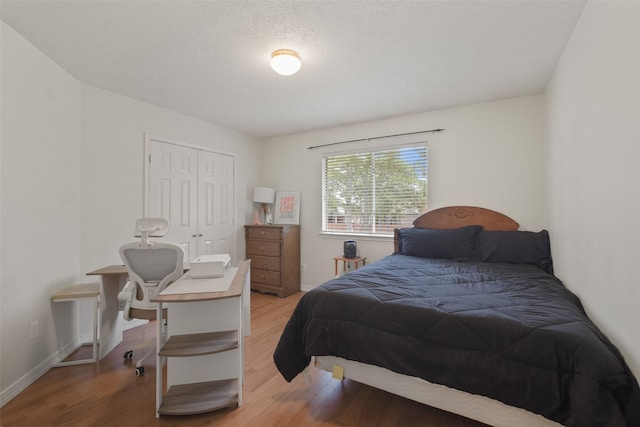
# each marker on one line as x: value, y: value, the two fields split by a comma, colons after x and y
x: 516, y: 247
x: 456, y: 244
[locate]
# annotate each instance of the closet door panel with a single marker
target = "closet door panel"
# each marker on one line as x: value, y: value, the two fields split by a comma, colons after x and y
x: 215, y: 197
x: 172, y: 192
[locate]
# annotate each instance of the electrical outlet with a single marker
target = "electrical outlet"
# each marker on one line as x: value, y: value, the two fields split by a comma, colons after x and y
x: 33, y: 330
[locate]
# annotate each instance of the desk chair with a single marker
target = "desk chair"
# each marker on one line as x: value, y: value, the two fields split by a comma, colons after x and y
x: 151, y: 267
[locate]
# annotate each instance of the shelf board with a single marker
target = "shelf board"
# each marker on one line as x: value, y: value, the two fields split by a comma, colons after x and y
x: 199, y: 344
x: 197, y: 398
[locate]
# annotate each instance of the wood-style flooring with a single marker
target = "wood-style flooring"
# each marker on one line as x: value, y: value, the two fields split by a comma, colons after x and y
x: 108, y: 393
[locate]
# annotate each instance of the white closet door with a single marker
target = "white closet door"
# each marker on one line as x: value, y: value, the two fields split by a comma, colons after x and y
x: 215, y: 203
x: 194, y: 190
x: 172, y: 192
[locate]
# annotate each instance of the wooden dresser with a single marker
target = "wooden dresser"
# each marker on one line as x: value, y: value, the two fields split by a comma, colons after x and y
x: 274, y: 251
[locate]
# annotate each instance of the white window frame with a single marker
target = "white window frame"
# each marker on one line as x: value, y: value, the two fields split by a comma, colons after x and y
x: 325, y: 229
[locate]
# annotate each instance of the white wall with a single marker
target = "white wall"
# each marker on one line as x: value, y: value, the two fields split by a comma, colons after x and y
x: 72, y: 187
x: 490, y: 155
x: 41, y: 215
x: 593, y: 103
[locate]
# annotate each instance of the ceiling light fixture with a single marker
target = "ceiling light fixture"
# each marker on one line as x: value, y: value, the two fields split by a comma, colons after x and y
x: 285, y: 62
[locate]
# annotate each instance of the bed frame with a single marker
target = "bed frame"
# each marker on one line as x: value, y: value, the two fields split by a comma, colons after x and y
x: 476, y: 407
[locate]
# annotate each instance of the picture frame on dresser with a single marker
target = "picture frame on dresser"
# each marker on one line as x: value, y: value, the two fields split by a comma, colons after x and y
x: 287, y: 208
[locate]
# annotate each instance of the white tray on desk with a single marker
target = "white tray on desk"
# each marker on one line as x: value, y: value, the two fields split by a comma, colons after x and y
x: 188, y: 285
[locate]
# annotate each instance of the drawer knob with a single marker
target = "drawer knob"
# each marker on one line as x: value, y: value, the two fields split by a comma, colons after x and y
x: 263, y: 232
x: 262, y: 276
x: 265, y: 266
x: 261, y: 248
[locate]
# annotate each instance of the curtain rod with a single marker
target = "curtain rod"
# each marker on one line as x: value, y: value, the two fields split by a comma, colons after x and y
x: 376, y: 137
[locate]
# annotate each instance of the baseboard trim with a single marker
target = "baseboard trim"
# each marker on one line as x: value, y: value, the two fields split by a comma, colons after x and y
x: 32, y: 376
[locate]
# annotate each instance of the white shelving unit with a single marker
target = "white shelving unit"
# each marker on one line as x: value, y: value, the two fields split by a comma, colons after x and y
x: 204, y: 348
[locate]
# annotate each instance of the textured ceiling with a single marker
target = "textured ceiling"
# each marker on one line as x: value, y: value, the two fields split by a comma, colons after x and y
x: 362, y: 60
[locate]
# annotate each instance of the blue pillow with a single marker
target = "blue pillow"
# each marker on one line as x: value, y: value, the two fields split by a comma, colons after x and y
x: 516, y: 247
x: 457, y: 244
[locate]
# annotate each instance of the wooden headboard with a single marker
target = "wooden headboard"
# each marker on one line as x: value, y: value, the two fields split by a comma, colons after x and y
x: 461, y: 216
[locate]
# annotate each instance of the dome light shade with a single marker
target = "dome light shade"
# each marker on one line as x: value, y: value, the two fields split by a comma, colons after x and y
x: 285, y: 62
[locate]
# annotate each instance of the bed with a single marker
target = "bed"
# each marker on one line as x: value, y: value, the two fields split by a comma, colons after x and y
x: 466, y: 316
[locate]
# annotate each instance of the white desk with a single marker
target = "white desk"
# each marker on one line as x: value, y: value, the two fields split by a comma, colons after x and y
x: 113, y: 279
x: 204, y: 349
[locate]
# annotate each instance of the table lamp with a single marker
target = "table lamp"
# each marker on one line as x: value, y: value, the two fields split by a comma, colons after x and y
x: 264, y: 196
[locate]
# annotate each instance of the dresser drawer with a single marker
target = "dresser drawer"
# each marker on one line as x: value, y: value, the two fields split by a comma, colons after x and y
x: 264, y: 233
x: 266, y: 277
x: 265, y: 263
x: 263, y: 247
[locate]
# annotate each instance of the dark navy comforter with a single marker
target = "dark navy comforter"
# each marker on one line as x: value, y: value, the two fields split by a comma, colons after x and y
x: 509, y: 332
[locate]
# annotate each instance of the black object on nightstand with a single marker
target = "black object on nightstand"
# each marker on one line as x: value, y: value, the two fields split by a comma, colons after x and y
x: 350, y: 248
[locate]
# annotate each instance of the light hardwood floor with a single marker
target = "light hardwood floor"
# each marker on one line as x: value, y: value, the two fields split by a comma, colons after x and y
x: 109, y: 394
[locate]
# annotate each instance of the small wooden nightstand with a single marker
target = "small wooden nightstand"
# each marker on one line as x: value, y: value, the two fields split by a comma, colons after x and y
x: 356, y: 261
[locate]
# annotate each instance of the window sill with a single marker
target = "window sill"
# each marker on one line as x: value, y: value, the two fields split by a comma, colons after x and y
x: 359, y: 236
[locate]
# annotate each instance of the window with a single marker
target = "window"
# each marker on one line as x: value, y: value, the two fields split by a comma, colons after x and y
x: 373, y: 192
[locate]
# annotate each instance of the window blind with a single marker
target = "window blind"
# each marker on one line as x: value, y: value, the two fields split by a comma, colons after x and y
x: 373, y: 192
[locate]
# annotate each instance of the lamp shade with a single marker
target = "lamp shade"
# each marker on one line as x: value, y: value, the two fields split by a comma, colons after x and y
x: 285, y: 62
x: 264, y: 195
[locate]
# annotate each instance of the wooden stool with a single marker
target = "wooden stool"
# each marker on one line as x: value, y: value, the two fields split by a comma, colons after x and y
x: 74, y: 293
x: 357, y: 260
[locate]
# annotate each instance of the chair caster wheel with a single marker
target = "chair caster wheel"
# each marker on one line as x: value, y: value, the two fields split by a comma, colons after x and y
x: 128, y: 354
x: 140, y: 371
